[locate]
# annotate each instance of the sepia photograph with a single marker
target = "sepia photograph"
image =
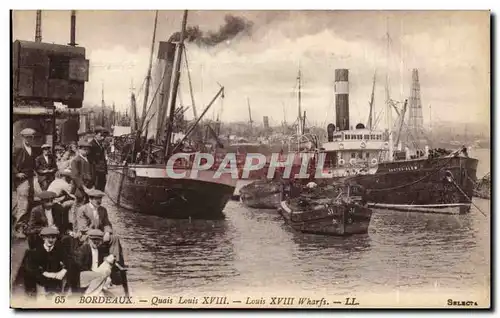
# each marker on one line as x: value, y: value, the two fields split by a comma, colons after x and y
x: 258, y: 159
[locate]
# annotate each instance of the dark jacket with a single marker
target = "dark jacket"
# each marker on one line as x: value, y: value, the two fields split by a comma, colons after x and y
x: 83, y: 257
x: 38, y: 220
x: 41, y: 164
x: 97, y: 157
x: 83, y: 174
x: 23, y: 162
x: 85, y: 220
x: 38, y: 260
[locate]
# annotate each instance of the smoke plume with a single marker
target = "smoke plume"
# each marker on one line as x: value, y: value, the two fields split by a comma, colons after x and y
x: 232, y: 27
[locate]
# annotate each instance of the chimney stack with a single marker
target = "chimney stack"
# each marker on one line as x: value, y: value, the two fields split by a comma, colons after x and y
x: 342, y: 98
x: 72, y: 31
x: 38, y: 26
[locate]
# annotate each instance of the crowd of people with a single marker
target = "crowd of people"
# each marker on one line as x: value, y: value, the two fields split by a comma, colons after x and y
x: 71, y: 244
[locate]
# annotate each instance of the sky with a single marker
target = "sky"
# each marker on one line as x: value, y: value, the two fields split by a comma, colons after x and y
x: 450, y: 49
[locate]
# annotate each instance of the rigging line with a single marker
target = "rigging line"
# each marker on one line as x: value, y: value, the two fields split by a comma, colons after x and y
x: 154, y: 97
x: 413, y: 141
x: 452, y: 180
x: 141, y: 88
x: 144, y: 124
x: 190, y: 84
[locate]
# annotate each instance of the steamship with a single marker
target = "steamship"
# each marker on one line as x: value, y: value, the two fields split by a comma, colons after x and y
x: 422, y: 181
x: 146, y: 187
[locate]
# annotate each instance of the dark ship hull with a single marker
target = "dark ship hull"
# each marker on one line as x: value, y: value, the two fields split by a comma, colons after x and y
x: 422, y: 185
x: 327, y: 219
x: 146, y: 189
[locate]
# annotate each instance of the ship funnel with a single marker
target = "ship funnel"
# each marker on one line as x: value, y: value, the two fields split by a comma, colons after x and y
x: 330, y: 131
x: 342, y: 98
x: 166, y: 59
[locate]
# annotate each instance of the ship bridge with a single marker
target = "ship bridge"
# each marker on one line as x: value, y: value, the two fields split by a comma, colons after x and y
x: 358, y: 139
x: 355, y: 148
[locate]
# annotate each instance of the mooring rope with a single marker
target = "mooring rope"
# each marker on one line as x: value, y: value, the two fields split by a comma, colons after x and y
x: 452, y: 180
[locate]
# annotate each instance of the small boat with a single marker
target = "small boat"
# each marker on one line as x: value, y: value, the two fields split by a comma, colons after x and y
x: 338, y: 210
x: 483, y: 187
x: 261, y: 194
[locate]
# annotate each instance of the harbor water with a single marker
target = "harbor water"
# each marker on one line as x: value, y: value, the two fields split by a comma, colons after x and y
x: 253, y: 249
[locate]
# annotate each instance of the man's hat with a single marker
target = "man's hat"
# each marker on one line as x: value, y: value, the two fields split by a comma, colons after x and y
x: 45, y: 146
x: 47, y: 195
x: 95, y: 233
x: 49, y: 230
x: 27, y: 132
x: 59, y: 147
x: 94, y: 193
x: 84, y: 143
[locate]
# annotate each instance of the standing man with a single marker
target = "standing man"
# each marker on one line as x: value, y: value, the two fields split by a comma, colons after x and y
x: 45, y: 167
x: 97, y: 157
x: 23, y: 167
x: 82, y: 171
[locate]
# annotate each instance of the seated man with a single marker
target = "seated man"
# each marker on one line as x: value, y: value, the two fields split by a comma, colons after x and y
x: 45, y: 215
x: 94, y: 264
x: 94, y: 216
x: 46, y: 265
x: 64, y: 187
x: 45, y: 167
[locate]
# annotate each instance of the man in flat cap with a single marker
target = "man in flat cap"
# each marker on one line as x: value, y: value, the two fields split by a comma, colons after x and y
x: 83, y: 172
x: 67, y: 156
x: 45, y: 167
x: 94, y: 216
x: 94, y: 263
x: 97, y: 157
x: 23, y: 168
x: 46, y: 265
x: 47, y: 214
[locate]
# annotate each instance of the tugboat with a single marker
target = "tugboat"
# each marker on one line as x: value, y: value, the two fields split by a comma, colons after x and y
x: 339, y: 210
x: 146, y: 187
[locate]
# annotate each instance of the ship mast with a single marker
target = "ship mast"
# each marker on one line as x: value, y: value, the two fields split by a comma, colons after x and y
x: 148, y: 79
x: 102, y: 104
x: 387, y: 91
x: 300, y: 103
x: 284, y: 118
x: 146, y: 89
x: 177, y: 74
x: 250, y: 121
x: 372, y: 101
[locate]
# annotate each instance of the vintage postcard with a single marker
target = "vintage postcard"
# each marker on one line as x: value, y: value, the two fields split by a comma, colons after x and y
x: 250, y: 159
